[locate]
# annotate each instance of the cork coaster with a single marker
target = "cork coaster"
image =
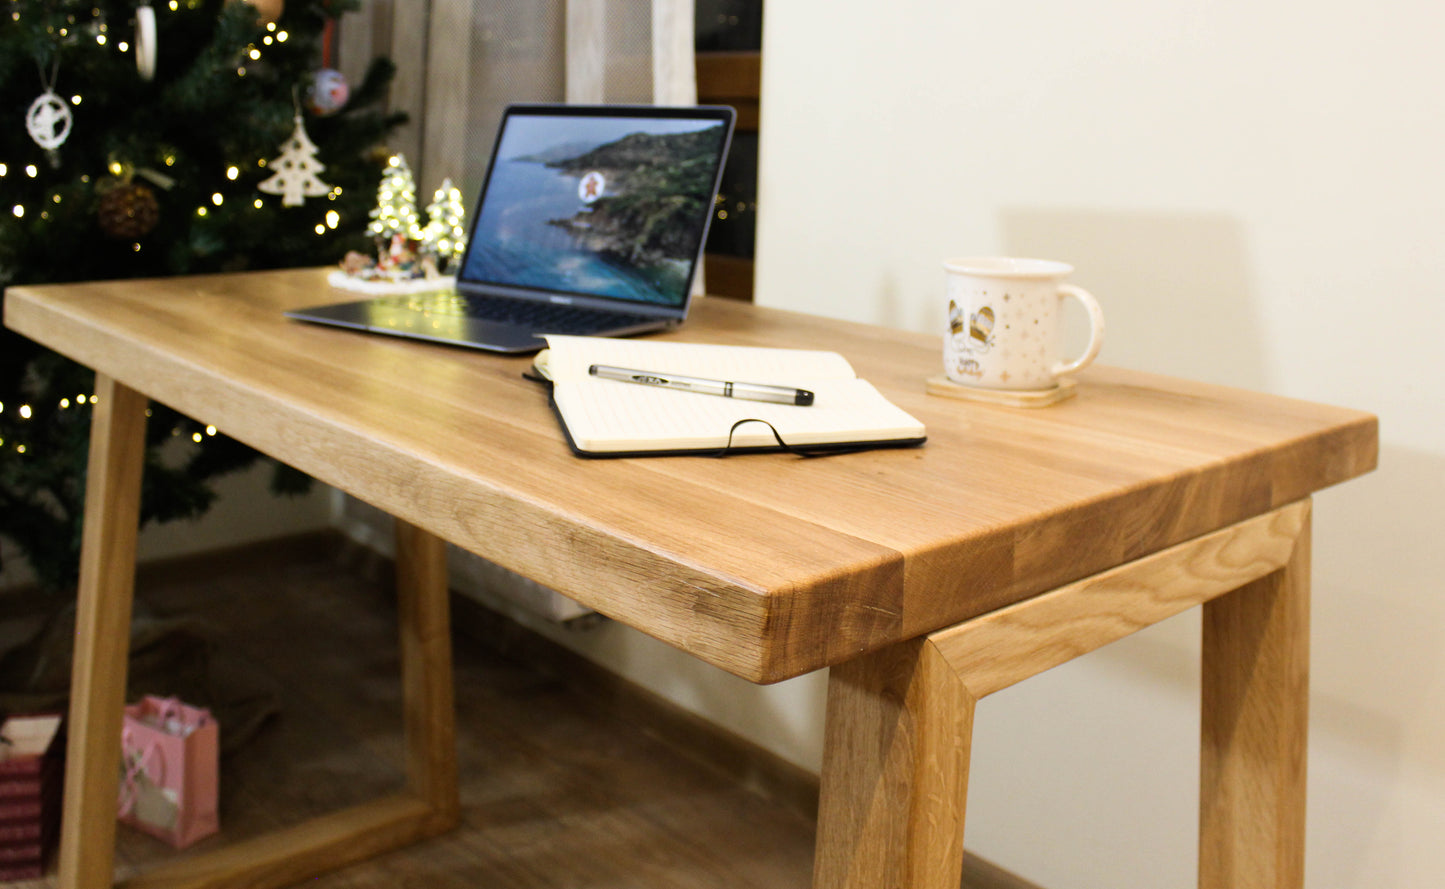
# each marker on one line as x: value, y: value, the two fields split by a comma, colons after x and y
x: 942, y: 385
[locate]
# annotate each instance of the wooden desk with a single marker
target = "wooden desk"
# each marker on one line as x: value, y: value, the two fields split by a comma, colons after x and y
x: 927, y: 578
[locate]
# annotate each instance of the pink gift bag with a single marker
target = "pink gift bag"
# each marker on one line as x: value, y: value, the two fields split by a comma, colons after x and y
x: 169, y: 770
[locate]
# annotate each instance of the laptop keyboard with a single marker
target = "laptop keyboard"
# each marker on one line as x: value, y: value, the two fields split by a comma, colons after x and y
x: 542, y: 317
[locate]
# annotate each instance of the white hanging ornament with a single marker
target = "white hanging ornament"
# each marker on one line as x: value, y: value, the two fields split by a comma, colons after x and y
x: 49, y: 119
x: 296, y: 167
x: 145, y: 41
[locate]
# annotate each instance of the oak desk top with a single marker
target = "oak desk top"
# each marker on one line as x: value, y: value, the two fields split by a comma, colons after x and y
x: 767, y: 565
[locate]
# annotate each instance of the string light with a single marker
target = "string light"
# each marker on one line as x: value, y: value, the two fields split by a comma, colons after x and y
x: 25, y: 411
x: 32, y: 171
x: 232, y: 173
x: 19, y: 211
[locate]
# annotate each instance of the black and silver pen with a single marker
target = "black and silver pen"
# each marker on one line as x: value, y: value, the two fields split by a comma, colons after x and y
x: 749, y: 391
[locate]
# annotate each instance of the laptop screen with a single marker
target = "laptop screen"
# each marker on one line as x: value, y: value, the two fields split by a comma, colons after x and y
x: 610, y: 202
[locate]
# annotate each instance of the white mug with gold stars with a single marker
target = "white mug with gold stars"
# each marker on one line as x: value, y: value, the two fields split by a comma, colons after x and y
x: 1003, y: 323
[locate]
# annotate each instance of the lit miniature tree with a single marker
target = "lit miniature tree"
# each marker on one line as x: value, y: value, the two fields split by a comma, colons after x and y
x: 444, y: 236
x: 395, y: 212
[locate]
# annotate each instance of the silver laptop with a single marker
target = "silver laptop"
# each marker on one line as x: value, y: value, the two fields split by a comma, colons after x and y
x: 591, y: 221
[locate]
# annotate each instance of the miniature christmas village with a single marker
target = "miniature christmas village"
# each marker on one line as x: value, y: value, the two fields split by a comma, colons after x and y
x: 409, y: 255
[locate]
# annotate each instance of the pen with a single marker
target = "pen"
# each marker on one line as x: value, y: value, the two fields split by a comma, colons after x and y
x: 749, y: 391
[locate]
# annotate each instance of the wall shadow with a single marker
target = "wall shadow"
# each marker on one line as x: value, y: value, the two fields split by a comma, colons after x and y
x: 1176, y: 288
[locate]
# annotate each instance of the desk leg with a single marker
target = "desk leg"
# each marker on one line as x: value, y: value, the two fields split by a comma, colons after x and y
x: 102, y: 635
x: 423, y: 612
x: 895, y: 772
x: 1255, y: 712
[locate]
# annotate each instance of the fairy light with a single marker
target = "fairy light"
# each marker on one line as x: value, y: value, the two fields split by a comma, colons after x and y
x: 196, y: 437
x: 75, y: 100
x: 232, y: 173
x: 218, y: 199
x: 115, y: 168
x: 4, y: 169
x: 64, y: 403
x: 210, y: 430
x: 333, y: 219
x: 32, y: 171
x: 255, y: 54
x: 200, y: 211
x: 281, y: 36
x: 257, y: 204
x: 19, y: 211
x: 25, y: 412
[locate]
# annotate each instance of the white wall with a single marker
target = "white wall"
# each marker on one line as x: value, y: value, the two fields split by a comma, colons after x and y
x: 1255, y: 189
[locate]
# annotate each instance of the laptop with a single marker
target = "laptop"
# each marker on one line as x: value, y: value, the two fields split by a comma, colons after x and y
x: 591, y: 221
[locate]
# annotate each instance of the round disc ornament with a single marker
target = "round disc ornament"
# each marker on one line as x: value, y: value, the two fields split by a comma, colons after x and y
x: 49, y: 120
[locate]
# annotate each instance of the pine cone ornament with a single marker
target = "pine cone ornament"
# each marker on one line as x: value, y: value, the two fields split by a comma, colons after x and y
x: 128, y: 210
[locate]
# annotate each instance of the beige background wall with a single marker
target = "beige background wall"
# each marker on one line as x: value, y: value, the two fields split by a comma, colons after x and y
x: 1255, y: 191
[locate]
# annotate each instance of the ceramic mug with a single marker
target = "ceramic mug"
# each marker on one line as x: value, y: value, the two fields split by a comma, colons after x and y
x: 1003, y: 323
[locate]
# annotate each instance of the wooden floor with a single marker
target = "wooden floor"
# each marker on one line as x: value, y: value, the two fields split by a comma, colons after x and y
x: 560, y: 787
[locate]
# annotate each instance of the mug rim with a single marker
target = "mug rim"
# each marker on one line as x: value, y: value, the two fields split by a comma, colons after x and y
x: 1008, y: 267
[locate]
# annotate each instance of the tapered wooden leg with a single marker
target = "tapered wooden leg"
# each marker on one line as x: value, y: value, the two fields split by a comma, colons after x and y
x: 423, y: 612
x: 1255, y: 719
x: 895, y: 772
x: 102, y: 635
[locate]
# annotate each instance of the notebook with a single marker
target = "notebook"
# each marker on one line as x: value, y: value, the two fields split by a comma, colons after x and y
x: 613, y: 418
x: 591, y: 221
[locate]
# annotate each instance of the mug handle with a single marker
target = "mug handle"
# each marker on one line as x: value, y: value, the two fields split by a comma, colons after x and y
x: 1096, y: 329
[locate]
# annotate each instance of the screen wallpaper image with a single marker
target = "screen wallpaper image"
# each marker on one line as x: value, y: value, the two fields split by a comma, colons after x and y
x: 605, y: 206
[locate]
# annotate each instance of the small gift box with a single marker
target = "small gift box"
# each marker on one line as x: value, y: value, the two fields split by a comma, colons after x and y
x: 170, y: 765
x: 31, y: 766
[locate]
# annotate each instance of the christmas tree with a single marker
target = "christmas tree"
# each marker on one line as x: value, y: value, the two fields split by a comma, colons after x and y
x: 147, y: 134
